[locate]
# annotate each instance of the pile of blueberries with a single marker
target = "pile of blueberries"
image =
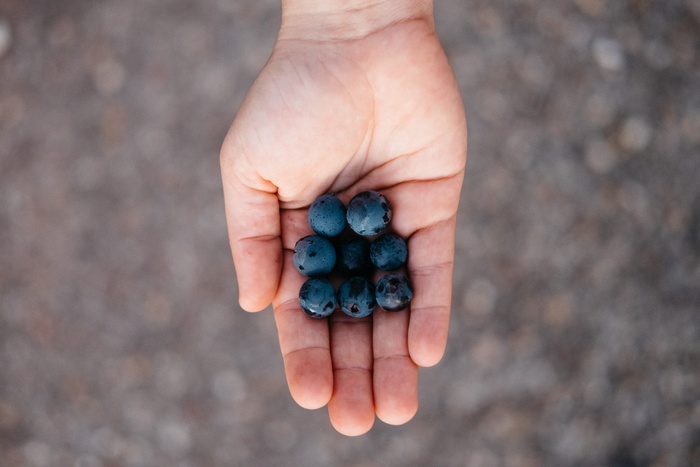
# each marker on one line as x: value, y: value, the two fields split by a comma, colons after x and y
x: 352, y: 256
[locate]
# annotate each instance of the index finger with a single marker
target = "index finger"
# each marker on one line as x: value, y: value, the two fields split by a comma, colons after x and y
x: 253, y: 218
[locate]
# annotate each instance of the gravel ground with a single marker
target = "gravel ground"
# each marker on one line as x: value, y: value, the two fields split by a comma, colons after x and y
x: 575, y: 336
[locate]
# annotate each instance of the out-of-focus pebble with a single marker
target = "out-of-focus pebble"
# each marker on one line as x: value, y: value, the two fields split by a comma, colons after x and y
x: 659, y: 55
x: 592, y: 8
x: 635, y: 134
x: 608, y: 54
x: 690, y: 126
x: 5, y: 37
x: 109, y: 76
x: 480, y: 297
x: 174, y: 437
x: 599, y: 110
x: 600, y: 156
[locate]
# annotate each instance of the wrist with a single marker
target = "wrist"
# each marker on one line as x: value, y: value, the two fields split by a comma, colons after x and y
x: 327, y: 20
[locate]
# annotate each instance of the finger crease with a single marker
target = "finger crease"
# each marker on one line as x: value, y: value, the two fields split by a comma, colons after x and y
x: 390, y: 358
x: 354, y: 369
x: 431, y: 269
x: 433, y: 309
x: 259, y: 238
x: 295, y: 351
x: 289, y: 305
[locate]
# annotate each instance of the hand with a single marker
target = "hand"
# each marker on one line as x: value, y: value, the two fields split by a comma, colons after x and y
x: 375, y: 109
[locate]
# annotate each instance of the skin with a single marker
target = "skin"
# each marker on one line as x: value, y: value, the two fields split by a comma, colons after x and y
x: 373, y: 108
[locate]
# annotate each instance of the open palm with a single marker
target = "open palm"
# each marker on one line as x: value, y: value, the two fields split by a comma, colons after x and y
x: 383, y: 113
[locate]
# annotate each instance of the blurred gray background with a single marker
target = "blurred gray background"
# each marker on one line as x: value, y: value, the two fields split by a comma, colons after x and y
x: 575, y: 337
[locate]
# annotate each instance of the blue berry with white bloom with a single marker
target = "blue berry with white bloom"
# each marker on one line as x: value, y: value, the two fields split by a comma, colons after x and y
x: 356, y: 297
x: 317, y: 297
x: 394, y: 292
x: 388, y: 252
x: 327, y: 216
x: 314, y: 256
x: 369, y: 213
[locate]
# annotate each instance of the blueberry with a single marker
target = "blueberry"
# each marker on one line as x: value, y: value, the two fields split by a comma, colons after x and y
x: 327, y: 216
x: 317, y: 297
x: 353, y: 257
x: 356, y: 297
x: 314, y: 256
x: 388, y: 252
x: 368, y: 213
x: 394, y: 292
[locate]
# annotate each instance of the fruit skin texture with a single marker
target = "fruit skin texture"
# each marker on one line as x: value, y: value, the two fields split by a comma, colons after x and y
x: 352, y: 257
x: 314, y: 256
x: 368, y: 213
x: 327, y: 215
x: 317, y: 297
x: 356, y: 297
x: 394, y: 292
x: 388, y: 252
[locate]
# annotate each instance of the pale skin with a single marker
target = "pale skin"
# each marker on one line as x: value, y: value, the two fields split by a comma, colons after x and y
x: 347, y: 104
